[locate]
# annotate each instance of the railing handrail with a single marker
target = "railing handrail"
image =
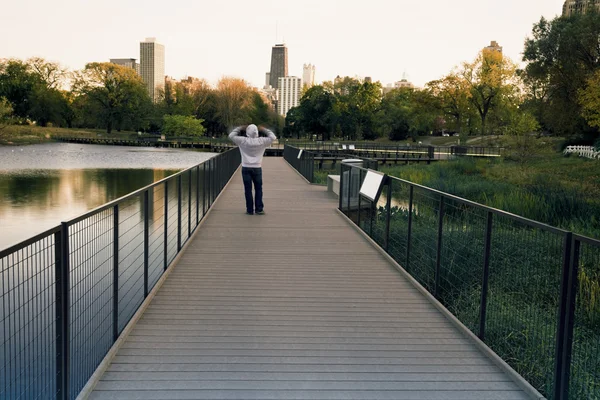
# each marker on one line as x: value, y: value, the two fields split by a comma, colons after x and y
x: 447, y: 195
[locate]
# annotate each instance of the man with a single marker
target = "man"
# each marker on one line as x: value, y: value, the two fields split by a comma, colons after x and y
x: 252, y: 148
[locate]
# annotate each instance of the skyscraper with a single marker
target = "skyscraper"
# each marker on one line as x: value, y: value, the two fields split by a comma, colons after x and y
x: 152, y: 66
x: 279, y: 64
x: 289, y: 93
x: 308, y: 75
x: 127, y: 62
x: 579, y: 6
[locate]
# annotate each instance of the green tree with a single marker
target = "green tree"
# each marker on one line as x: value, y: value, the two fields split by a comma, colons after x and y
x: 395, y: 114
x: 18, y: 85
x: 453, y: 96
x: 182, y: 125
x: 489, y: 78
x: 314, y: 114
x: 6, y: 111
x: 116, y: 93
x: 589, y: 100
x: 562, y: 56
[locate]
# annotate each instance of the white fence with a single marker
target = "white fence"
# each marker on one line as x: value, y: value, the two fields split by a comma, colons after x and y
x: 583, y: 151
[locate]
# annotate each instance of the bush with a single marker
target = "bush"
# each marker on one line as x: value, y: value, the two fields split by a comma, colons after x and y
x: 181, y: 125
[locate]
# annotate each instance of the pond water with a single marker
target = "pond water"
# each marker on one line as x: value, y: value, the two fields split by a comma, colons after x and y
x: 42, y: 185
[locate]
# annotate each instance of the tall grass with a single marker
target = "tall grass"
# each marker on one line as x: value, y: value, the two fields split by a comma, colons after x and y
x: 559, y: 191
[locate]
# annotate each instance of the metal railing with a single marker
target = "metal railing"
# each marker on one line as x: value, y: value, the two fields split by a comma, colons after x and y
x: 305, y: 164
x: 301, y: 160
x: 401, y: 151
x: 68, y: 293
x: 530, y: 291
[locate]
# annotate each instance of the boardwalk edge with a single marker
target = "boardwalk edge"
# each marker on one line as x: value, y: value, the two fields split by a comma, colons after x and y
x: 503, y: 365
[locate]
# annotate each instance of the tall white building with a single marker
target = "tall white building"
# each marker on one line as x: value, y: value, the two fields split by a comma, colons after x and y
x: 308, y: 75
x: 152, y: 66
x: 289, y: 93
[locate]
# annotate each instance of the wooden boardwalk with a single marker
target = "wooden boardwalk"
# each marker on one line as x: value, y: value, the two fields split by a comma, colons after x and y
x: 294, y: 304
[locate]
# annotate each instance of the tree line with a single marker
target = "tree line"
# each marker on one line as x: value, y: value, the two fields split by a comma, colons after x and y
x: 113, y: 97
x: 558, y: 93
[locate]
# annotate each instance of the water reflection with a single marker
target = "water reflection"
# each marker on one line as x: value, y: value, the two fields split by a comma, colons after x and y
x: 32, y: 201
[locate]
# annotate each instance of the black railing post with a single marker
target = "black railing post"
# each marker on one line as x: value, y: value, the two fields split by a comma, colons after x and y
x: 438, y: 259
x: 409, y: 234
x: 349, y: 187
x: 189, y: 204
x: 197, y: 194
x: 166, y: 228
x: 359, y: 200
x: 146, y: 238
x: 203, y: 189
x: 486, y: 274
x: 178, y: 212
x: 115, y: 316
x: 62, y: 311
x: 388, y: 216
x: 341, y: 199
x: 564, y: 334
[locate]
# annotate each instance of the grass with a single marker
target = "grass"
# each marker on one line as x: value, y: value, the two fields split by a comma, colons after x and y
x: 553, y: 189
x: 31, y: 134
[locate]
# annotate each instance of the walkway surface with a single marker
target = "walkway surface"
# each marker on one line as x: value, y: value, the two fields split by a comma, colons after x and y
x: 294, y: 304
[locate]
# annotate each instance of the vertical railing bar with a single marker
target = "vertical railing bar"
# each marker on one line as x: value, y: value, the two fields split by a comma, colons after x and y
x: 189, y: 204
x: 570, y: 323
x: 62, y: 312
x: 388, y: 217
x: 146, y: 238
x: 438, y: 260
x: 341, y: 187
x: 197, y: 194
x: 178, y: 213
x: 115, y: 317
x: 561, y: 328
x: 486, y: 274
x: 349, y: 187
x: 203, y: 189
x: 359, y: 199
x: 409, y: 234
x: 166, y: 228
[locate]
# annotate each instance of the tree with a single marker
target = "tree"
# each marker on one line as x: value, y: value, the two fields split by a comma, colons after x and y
x: 394, y: 114
x: 589, y: 100
x: 490, y: 77
x: 182, y: 125
x: 233, y: 101
x: 5, y: 114
x: 314, y: 114
x: 453, y: 95
x: 17, y: 85
x: 117, y: 92
x: 562, y: 56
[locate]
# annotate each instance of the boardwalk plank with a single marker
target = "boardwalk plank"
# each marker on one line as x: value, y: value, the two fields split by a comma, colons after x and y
x: 294, y: 304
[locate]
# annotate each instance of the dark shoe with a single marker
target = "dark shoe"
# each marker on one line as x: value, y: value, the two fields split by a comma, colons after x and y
x: 260, y: 212
x: 249, y: 213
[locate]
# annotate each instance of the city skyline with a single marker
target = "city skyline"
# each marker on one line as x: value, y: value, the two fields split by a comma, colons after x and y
x: 381, y: 41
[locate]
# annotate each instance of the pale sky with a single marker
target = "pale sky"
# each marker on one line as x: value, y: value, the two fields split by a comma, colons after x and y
x: 214, y: 38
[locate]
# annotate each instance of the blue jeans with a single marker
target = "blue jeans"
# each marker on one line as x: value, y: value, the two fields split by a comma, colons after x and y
x: 250, y: 176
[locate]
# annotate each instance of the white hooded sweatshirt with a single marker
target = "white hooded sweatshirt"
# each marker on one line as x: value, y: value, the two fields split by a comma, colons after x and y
x: 252, y: 147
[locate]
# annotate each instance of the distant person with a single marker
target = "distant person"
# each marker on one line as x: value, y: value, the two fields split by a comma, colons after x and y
x: 252, y: 148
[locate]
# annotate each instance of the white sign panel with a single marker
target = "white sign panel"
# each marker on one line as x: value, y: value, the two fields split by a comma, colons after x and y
x: 300, y: 153
x: 371, y: 187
